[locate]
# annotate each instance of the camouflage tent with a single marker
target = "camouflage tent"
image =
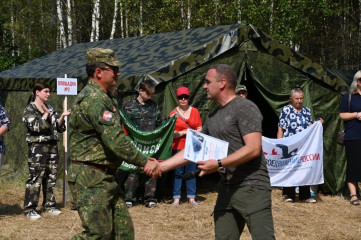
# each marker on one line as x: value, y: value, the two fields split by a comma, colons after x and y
x: 268, y: 69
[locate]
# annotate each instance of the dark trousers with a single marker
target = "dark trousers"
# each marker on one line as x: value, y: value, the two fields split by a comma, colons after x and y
x: 237, y: 206
x: 303, y: 194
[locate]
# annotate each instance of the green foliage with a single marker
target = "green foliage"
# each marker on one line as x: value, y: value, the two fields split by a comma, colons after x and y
x: 312, y: 24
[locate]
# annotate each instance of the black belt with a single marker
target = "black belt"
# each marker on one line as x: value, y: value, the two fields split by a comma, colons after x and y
x: 98, y: 167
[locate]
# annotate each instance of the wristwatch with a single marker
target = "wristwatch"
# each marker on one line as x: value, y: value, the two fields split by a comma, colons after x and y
x: 219, y: 163
x: 220, y: 167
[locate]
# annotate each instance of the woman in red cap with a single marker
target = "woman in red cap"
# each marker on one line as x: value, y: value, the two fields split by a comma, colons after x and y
x: 188, y: 117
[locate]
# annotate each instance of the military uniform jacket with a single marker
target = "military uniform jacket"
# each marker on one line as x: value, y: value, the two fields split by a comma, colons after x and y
x: 41, y: 130
x: 145, y: 116
x: 96, y: 134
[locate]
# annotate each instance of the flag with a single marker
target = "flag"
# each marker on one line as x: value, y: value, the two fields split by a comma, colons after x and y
x: 296, y: 160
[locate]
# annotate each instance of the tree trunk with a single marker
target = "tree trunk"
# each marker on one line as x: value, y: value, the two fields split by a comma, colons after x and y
x: 70, y: 23
x: 271, y: 17
x: 141, y: 18
x: 115, y: 15
x: 239, y: 11
x: 121, y: 19
x: 183, y: 16
x: 12, y: 29
x: 189, y: 14
x: 61, y: 25
x: 216, y: 14
x: 95, y: 22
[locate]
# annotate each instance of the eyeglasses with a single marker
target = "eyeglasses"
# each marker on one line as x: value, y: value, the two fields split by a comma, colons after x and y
x: 181, y: 97
x: 112, y: 68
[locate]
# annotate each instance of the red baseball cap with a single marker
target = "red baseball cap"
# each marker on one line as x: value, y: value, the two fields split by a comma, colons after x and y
x: 182, y: 91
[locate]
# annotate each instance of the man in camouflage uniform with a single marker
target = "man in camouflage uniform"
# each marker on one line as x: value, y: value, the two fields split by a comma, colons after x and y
x: 144, y: 113
x: 98, y: 147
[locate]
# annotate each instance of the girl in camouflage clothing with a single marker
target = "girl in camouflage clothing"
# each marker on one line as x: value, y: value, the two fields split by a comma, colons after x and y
x: 43, y: 124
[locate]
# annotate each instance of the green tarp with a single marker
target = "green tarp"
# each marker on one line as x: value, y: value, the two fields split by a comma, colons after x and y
x: 268, y: 68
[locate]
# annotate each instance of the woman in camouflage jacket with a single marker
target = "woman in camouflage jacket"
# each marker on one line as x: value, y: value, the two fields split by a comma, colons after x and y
x: 43, y: 125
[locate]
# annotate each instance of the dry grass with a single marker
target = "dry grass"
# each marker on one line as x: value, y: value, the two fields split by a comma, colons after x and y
x: 331, y: 218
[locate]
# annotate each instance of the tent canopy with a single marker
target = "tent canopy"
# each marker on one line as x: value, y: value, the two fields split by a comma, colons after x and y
x: 268, y: 68
x: 161, y: 57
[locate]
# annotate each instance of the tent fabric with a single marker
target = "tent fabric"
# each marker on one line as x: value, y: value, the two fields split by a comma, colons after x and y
x: 172, y: 54
x: 268, y: 68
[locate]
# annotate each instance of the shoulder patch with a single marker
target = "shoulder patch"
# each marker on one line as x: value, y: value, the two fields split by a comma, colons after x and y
x: 107, y: 116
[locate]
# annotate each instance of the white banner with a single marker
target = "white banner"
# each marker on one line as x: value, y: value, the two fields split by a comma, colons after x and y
x: 296, y: 160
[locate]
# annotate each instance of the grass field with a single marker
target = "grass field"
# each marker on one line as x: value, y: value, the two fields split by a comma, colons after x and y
x: 332, y: 217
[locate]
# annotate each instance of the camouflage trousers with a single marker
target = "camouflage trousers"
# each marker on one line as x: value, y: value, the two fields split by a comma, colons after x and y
x: 135, y: 180
x: 43, y: 161
x: 98, y: 199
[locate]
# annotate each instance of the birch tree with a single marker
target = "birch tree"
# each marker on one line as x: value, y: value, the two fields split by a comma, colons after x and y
x: 61, y: 25
x: 216, y: 12
x: 70, y: 23
x: 115, y: 15
x: 189, y: 12
x: 94, y: 36
x: 121, y: 19
x: 140, y: 17
x: 239, y: 11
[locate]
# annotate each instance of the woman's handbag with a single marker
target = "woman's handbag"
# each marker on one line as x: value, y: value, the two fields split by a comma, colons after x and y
x: 341, y: 134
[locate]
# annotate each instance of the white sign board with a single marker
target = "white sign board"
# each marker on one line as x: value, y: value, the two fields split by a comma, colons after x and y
x: 201, y: 147
x: 66, y: 86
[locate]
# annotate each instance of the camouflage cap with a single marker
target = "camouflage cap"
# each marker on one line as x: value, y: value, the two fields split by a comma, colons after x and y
x: 97, y: 55
x: 241, y: 88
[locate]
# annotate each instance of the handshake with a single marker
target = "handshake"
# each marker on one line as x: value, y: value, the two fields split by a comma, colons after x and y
x: 152, y: 168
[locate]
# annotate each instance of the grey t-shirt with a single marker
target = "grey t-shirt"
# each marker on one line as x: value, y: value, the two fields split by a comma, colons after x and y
x: 230, y: 123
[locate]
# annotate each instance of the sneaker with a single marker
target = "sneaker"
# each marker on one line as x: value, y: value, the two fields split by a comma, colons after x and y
x: 129, y: 204
x: 33, y: 215
x: 151, y: 204
x: 54, y: 211
x: 311, y: 200
x: 289, y: 200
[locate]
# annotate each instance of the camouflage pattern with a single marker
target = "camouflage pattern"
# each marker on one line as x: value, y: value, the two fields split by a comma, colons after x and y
x: 100, y: 206
x: 96, y: 137
x: 96, y: 55
x: 161, y: 57
x: 131, y: 187
x: 40, y: 129
x: 4, y: 121
x: 145, y: 116
x: 43, y: 169
x: 96, y: 133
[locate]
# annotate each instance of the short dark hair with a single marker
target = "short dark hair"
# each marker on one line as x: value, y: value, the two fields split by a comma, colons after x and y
x: 147, y: 86
x: 90, y: 68
x: 225, y: 71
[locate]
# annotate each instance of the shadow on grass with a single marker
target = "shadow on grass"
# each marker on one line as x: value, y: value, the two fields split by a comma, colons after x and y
x: 10, y: 210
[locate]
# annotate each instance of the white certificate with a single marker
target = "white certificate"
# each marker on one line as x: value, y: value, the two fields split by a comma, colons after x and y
x: 201, y: 147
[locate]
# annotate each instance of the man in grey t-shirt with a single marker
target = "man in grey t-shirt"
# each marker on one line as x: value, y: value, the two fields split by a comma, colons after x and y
x: 244, y: 192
